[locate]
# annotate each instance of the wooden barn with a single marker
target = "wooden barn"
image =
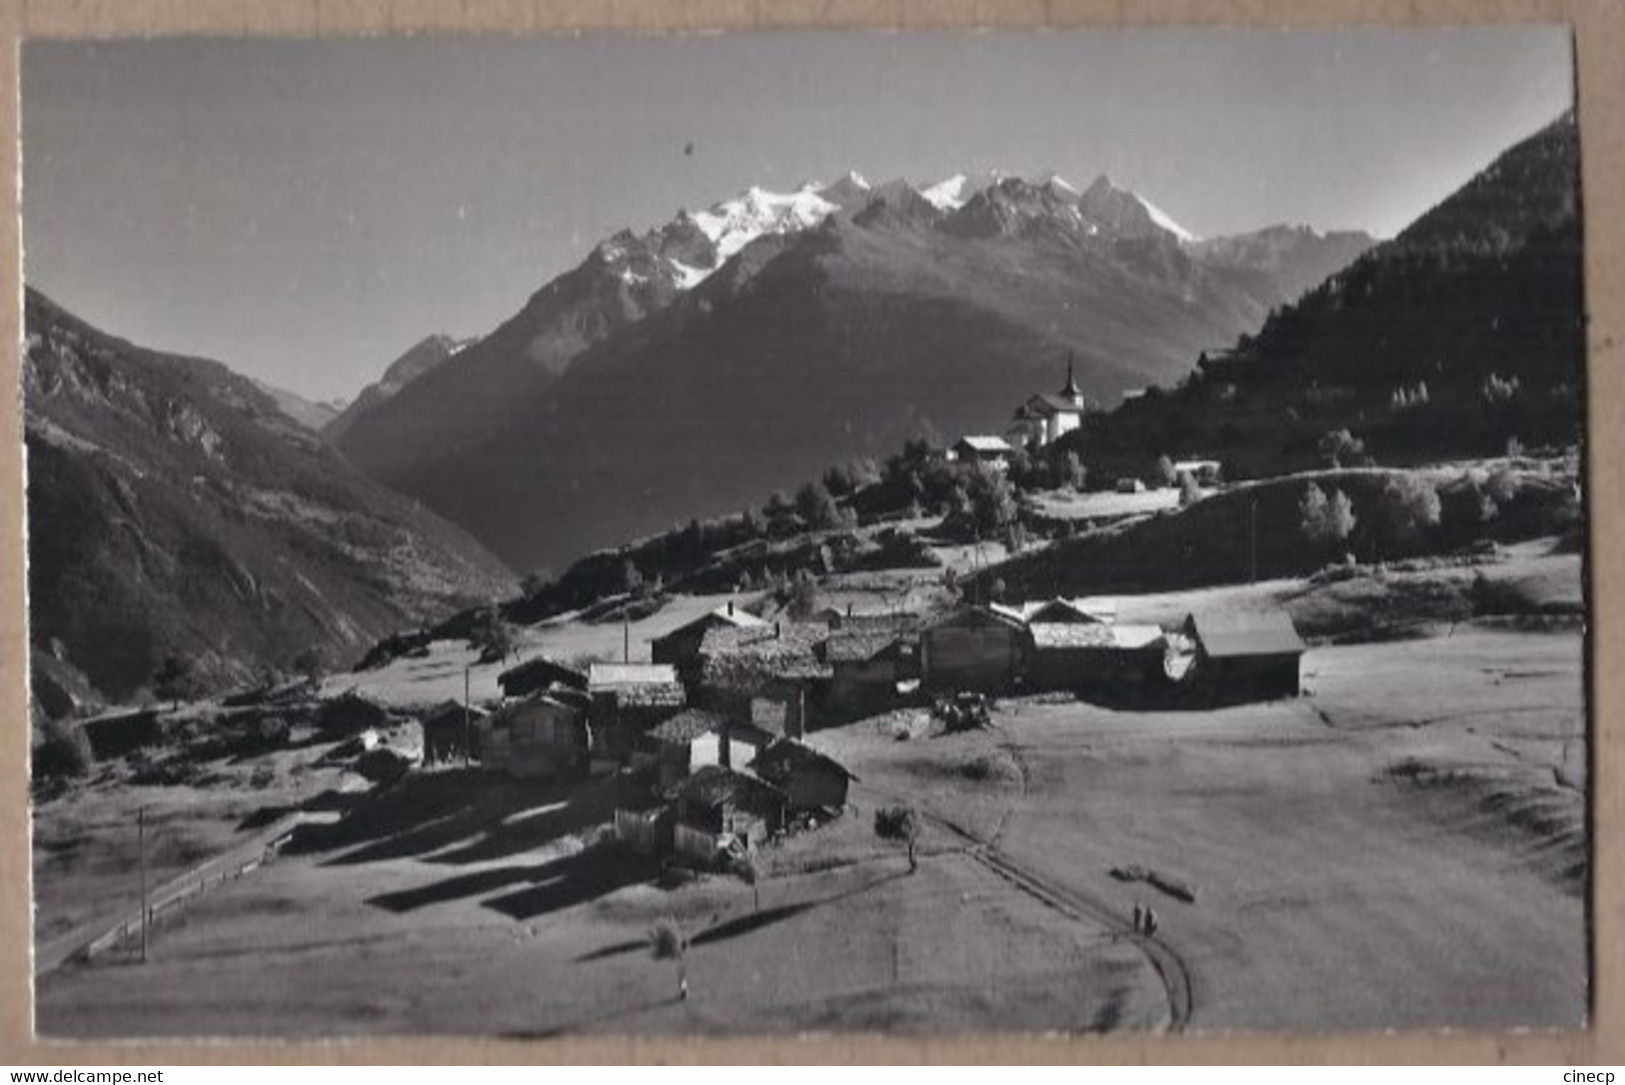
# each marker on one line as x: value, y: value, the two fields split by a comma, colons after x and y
x: 681, y: 743
x: 972, y: 648
x: 867, y: 661
x: 537, y: 674
x: 811, y: 781
x: 627, y: 700
x: 774, y: 676
x: 544, y: 737
x: 1075, y: 655
x: 450, y: 733
x: 681, y: 646
x: 715, y: 806
x: 1244, y: 655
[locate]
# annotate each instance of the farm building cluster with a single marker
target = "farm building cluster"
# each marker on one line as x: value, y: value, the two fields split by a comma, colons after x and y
x: 715, y: 722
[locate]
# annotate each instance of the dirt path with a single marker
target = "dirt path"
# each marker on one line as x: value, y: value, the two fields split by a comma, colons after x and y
x: 1072, y: 904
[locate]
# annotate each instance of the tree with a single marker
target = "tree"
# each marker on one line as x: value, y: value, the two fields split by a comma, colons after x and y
x: 1189, y: 492
x: 64, y: 751
x: 1323, y: 520
x: 1502, y: 485
x: 802, y: 595
x: 1340, y: 447
x: 493, y: 637
x: 667, y: 943
x: 990, y: 501
x: 311, y: 664
x: 1166, y: 475
x: 631, y: 577
x: 900, y: 823
x: 175, y: 680
x: 1072, y: 472
x: 533, y: 585
x: 1410, y: 506
x: 751, y: 872
x: 778, y: 505
x: 816, y: 507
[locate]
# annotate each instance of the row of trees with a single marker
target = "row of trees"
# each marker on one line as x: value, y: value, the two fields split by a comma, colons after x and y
x: 1408, y: 507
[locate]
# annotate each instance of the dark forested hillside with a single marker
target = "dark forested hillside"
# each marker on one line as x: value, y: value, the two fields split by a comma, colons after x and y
x: 1461, y: 334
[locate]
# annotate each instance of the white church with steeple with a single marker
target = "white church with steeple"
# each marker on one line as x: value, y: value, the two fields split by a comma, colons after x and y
x: 1049, y: 416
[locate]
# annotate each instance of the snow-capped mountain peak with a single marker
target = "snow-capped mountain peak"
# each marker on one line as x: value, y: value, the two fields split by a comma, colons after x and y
x: 950, y: 193
x: 1162, y: 218
x: 735, y: 223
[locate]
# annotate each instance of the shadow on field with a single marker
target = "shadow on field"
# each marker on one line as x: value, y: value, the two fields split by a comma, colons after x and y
x: 744, y: 924
x: 555, y: 884
x: 464, y: 815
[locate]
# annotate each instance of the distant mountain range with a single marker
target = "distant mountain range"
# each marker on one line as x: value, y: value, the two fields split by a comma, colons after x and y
x: 425, y: 355
x: 690, y: 369
x: 175, y: 507
x: 314, y: 416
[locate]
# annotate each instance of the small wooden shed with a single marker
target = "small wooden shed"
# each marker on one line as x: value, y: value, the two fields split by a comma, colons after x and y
x: 1245, y: 655
x: 810, y: 780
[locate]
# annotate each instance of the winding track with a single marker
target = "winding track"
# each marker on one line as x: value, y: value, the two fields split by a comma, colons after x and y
x: 1077, y: 906
x: 1170, y: 967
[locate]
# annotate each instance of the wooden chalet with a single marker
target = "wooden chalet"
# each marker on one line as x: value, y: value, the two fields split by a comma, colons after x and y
x: 681, y: 743
x: 715, y: 807
x: 681, y: 646
x: 774, y: 676
x: 449, y: 732
x: 544, y: 737
x: 1074, y: 655
x: 627, y: 700
x: 538, y: 673
x: 868, y: 659
x: 811, y: 781
x: 972, y: 648
x: 1243, y: 655
x: 982, y: 448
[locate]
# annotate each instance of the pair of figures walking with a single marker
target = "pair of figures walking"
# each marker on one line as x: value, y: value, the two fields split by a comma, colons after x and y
x: 1145, y: 920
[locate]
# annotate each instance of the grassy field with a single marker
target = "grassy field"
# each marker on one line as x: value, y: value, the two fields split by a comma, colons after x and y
x: 1405, y: 847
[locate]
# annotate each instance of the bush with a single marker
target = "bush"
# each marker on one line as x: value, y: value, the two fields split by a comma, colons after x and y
x: 1326, y: 520
x: 1410, y: 507
x: 1340, y: 447
x: 1502, y: 485
x: 896, y: 823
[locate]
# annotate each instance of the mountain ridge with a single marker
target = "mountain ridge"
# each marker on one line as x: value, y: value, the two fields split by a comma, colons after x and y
x: 174, y: 509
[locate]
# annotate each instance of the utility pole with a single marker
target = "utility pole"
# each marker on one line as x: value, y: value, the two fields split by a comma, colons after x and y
x: 626, y: 637
x: 1252, y: 539
x: 141, y: 853
x: 468, y: 716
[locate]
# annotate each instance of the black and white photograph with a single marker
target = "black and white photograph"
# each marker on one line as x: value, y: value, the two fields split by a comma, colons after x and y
x: 822, y: 531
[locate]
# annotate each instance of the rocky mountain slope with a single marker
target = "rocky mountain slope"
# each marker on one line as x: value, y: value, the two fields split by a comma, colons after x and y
x: 690, y: 369
x: 309, y: 413
x: 424, y: 356
x: 174, y: 508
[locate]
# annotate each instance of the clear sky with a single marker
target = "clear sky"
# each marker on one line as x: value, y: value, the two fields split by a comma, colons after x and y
x: 306, y: 210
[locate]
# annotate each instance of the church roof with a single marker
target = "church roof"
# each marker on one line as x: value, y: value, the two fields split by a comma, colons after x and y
x: 1070, y: 390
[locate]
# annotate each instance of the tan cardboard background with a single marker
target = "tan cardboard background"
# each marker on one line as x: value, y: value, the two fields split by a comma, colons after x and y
x: 1599, y: 28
